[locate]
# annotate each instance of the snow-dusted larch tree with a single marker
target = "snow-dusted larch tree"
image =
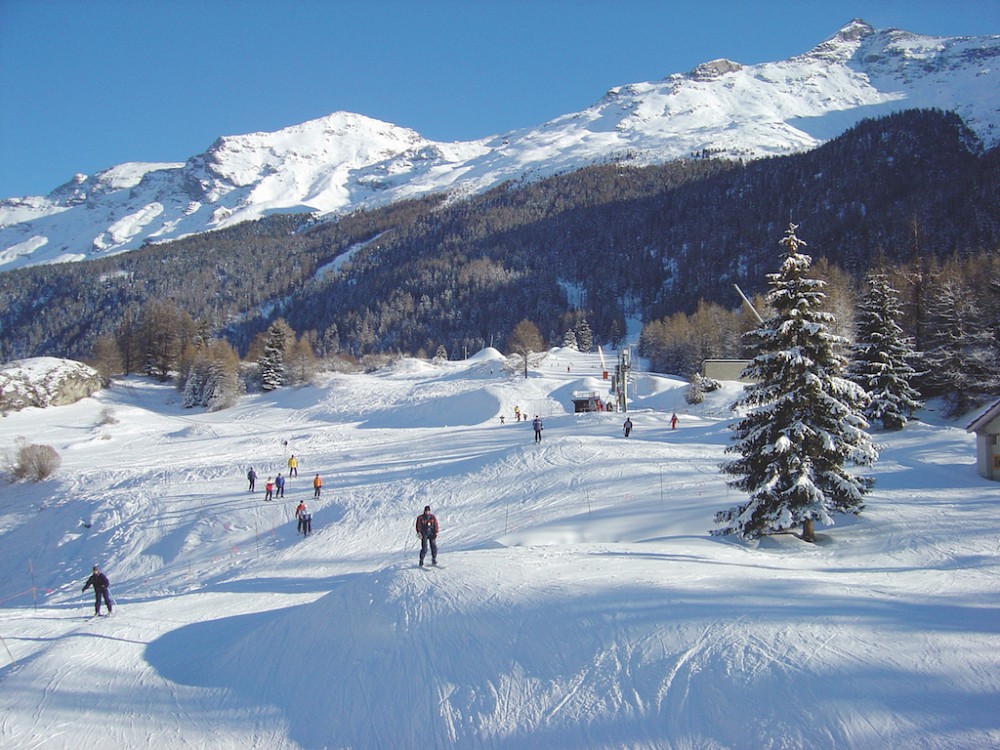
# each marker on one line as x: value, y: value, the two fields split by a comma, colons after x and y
x: 524, y: 340
x: 803, y: 418
x: 882, y: 356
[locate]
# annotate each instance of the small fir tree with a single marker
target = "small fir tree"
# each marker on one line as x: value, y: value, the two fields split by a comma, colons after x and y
x: 272, y: 362
x: 882, y: 356
x: 194, y: 387
x: 224, y: 386
x: 569, y: 340
x: 213, y: 377
x: 695, y: 393
x: 803, y: 421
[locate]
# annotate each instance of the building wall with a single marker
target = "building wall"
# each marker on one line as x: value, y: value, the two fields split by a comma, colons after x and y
x: 988, y: 455
x: 724, y: 369
x: 988, y: 449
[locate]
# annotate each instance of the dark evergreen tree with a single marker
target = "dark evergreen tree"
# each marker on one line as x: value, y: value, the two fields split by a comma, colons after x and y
x: 803, y: 421
x: 959, y: 352
x: 584, y: 336
x: 882, y: 356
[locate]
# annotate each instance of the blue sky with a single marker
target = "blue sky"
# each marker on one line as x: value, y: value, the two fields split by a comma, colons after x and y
x: 90, y: 84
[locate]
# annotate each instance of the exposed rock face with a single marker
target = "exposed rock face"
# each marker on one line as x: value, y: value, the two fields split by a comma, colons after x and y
x: 45, y: 381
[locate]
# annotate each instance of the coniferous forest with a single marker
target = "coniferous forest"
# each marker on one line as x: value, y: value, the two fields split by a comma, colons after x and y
x: 913, y: 195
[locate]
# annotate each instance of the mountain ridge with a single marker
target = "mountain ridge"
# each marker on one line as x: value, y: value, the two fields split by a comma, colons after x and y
x: 345, y: 161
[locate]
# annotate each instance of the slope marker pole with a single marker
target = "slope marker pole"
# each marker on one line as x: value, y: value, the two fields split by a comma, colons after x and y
x: 13, y: 661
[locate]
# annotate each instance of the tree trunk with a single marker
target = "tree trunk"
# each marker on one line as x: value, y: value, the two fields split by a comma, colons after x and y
x: 808, y: 530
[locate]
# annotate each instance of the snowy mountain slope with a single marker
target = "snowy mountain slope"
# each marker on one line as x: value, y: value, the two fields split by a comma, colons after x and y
x: 345, y: 161
x: 581, y: 602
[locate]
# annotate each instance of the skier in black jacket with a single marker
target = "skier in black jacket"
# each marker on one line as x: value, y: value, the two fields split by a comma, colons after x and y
x: 427, y: 530
x: 100, y: 583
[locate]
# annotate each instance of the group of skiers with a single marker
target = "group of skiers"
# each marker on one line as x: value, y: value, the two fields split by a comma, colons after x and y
x: 426, y: 525
x: 276, y: 488
x: 627, y: 426
x: 536, y: 423
x: 426, y: 528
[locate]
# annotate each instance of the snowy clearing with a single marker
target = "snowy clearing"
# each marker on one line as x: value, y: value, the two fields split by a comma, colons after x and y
x: 580, y: 602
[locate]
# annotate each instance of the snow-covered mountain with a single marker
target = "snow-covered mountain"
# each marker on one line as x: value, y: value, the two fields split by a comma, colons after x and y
x: 347, y: 161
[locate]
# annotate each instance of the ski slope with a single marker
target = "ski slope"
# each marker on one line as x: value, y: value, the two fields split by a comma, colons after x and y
x: 580, y: 602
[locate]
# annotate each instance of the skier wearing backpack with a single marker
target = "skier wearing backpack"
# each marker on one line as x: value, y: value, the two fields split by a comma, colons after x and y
x: 427, y: 530
x: 101, y: 585
x: 300, y: 513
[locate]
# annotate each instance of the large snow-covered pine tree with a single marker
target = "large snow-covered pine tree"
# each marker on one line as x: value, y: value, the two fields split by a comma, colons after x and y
x: 803, y: 422
x: 882, y: 356
x: 272, y: 363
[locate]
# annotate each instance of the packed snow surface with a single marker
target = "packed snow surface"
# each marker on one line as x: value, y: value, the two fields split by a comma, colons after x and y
x: 580, y: 602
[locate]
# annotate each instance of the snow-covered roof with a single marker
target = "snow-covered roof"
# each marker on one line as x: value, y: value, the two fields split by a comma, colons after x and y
x: 984, y: 420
